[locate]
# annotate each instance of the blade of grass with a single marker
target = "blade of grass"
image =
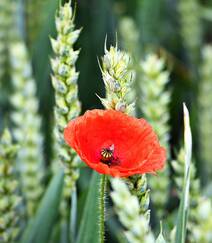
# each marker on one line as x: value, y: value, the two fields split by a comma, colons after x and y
x: 73, y: 216
x: 89, y: 225
x: 39, y: 227
x: 184, y: 202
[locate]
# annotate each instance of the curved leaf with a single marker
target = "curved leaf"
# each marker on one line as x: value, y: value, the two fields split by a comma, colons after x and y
x: 39, y: 227
x: 89, y: 225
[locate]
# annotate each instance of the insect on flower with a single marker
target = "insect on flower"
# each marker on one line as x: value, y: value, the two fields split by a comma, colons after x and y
x: 114, y: 143
x: 107, y: 156
x: 107, y: 153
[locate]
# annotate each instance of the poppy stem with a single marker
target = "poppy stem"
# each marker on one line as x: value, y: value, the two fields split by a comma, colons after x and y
x: 103, y: 185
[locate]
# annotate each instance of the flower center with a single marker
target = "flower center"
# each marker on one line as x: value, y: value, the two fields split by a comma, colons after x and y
x: 107, y: 156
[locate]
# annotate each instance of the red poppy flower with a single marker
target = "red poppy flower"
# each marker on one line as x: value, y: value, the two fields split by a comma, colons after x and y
x: 114, y: 143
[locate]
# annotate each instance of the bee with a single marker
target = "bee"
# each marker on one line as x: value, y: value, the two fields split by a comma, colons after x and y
x: 107, y: 154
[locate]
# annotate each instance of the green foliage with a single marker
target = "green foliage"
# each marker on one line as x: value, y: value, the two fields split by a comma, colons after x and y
x: 102, y: 192
x: 89, y: 225
x: 9, y: 198
x: 40, y: 226
x: 178, y: 166
x: 184, y: 202
x: 42, y: 68
x: 27, y: 134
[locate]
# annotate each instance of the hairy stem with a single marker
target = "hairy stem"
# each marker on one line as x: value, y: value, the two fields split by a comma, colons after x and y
x: 103, y: 185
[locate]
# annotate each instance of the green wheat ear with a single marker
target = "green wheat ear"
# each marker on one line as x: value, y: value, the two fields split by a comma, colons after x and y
x: 127, y: 206
x: 154, y: 104
x: 67, y: 105
x: 205, y: 108
x: 27, y: 126
x: 117, y: 78
x: 9, y: 198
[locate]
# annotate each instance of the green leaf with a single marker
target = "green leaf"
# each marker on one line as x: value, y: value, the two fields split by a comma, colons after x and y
x: 41, y: 65
x: 73, y: 216
x: 184, y: 202
x: 89, y: 225
x: 39, y: 227
x: 41, y: 52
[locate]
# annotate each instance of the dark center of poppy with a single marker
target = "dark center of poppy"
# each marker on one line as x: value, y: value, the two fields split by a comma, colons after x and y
x: 107, y: 156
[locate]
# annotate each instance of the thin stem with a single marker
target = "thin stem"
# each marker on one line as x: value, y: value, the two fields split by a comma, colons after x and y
x: 103, y: 184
